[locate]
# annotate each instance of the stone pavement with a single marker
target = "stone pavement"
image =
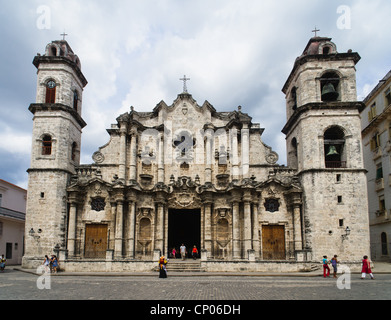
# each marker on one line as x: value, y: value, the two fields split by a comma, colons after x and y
x: 380, y: 268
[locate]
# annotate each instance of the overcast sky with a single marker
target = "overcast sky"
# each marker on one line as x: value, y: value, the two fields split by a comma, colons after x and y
x: 134, y: 52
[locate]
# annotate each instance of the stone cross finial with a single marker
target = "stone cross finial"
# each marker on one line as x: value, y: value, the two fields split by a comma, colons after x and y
x: 184, y: 79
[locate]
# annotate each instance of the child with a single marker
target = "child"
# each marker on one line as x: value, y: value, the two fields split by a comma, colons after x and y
x: 326, y: 267
x: 173, y: 253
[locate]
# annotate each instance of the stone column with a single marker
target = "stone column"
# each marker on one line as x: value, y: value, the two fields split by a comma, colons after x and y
x: 247, y: 226
x: 132, y: 218
x: 208, y: 162
x: 245, y: 150
x: 122, y: 152
x: 72, y: 229
x: 160, y: 169
x: 119, y: 230
x: 133, y: 158
x: 159, y: 227
x: 208, y: 226
x: 297, y: 227
x: 247, y: 221
x: 235, y: 230
x: 235, y: 155
x: 255, y: 238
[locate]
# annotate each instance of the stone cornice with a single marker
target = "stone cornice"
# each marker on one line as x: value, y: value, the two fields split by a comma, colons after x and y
x: 34, y: 107
x: 355, y: 105
x: 60, y: 60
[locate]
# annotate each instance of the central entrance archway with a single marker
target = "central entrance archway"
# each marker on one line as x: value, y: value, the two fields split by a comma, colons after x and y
x: 184, y: 226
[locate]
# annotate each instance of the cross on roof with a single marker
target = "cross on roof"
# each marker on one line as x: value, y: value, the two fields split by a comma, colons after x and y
x: 316, y: 30
x: 63, y: 35
x: 184, y: 79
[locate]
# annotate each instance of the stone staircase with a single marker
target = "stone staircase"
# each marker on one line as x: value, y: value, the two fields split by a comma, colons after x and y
x: 188, y: 265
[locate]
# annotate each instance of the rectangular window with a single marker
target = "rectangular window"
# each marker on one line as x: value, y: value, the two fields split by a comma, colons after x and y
x: 388, y: 97
x: 375, y: 142
x: 382, y: 204
x: 339, y: 199
x: 372, y: 112
x: 379, y: 171
x: 8, y: 250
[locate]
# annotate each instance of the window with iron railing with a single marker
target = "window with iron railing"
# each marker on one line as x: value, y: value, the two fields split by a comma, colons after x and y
x: 47, y: 145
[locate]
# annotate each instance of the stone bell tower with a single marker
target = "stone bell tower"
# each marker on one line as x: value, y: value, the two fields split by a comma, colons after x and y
x: 323, y: 136
x: 56, y: 141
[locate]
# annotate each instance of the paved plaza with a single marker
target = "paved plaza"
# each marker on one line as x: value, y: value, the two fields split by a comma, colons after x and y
x: 18, y: 285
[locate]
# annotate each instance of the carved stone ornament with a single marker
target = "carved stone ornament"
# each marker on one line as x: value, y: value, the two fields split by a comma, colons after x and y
x: 272, y: 157
x: 98, y: 157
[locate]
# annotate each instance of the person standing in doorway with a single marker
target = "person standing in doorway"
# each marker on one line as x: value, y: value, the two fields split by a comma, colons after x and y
x: 366, y: 268
x: 182, y: 249
x: 326, y: 269
x: 194, y: 252
x: 334, y: 262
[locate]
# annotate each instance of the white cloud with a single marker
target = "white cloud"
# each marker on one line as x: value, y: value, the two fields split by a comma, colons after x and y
x: 235, y: 52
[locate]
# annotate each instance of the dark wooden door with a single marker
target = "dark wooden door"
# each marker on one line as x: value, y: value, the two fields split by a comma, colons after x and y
x: 96, y: 241
x: 273, y: 242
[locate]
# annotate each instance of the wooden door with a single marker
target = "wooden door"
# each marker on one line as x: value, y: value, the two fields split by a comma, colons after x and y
x: 95, y: 241
x: 273, y: 242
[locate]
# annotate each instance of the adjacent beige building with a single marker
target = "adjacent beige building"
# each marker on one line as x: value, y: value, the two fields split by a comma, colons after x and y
x: 376, y: 135
x: 12, y: 220
x: 190, y: 173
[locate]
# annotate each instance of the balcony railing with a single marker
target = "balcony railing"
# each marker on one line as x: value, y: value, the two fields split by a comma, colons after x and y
x: 335, y: 164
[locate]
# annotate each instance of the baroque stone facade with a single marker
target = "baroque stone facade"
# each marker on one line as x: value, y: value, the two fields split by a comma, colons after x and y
x: 187, y: 173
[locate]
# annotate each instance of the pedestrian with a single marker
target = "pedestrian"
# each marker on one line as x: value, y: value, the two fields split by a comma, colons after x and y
x: 54, y: 263
x: 334, y: 262
x: 194, y: 252
x: 326, y: 267
x: 173, y: 253
x: 46, y: 264
x: 182, y: 249
x: 366, y: 268
x: 2, y: 263
x: 162, y: 267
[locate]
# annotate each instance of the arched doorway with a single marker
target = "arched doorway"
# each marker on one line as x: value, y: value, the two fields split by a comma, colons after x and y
x: 184, y: 226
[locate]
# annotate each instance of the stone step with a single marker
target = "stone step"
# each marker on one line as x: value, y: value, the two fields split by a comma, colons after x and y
x: 184, y: 266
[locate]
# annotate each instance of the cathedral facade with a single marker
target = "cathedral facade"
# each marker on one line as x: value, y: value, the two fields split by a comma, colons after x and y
x: 189, y: 174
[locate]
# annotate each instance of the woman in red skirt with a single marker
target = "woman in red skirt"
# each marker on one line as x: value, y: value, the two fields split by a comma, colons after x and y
x: 366, y: 268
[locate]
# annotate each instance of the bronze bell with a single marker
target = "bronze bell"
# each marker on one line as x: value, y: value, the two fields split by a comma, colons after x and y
x: 332, y: 151
x: 329, y: 93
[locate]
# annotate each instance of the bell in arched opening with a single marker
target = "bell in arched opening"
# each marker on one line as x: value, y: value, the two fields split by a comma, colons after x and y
x: 329, y: 93
x: 332, y: 151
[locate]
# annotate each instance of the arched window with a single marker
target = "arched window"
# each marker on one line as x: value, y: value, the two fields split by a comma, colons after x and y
x: 326, y: 50
x: 334, y: 148
x: 293, y: 153
x: 50, y: 92
x: 329, y: 85
x: 47, y: 145
x: 294, y: 98
x: 75, y: 100
x: 73, y: 154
